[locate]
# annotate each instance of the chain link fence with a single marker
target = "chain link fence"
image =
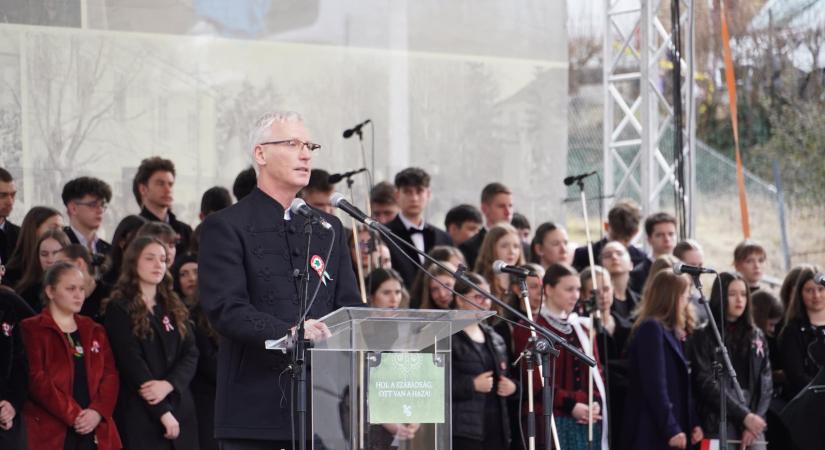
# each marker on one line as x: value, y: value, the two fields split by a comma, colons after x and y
x: 718, y: 219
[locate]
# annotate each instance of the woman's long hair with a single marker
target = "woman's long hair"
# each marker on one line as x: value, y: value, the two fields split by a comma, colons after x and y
x: 487, y: 255
x: 124, y: 233
x: 788, y: 284
x: 796, y: 307
x: 743, y: 328
x: 661, y: 302
x: 128, y: 289
x: 661, y: 262
x: 32, y: 272
x: 379, y: 276
x: 27, y: 242
x: 421, y: 285
x: 538, y: 239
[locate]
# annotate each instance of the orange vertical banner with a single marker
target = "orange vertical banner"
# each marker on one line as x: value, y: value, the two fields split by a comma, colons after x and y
x: 730, y: 79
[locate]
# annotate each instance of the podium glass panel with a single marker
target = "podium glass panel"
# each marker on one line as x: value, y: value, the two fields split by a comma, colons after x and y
x: 381, y: 368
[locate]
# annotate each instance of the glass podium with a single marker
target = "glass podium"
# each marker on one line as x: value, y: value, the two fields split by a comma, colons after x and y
x: 381, y: 368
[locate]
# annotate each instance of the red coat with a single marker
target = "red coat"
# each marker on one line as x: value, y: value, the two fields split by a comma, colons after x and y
x: 51, y: 408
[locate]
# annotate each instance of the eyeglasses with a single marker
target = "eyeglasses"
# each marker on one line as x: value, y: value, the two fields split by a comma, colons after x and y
x: 94, y: 204
x: 295, y: 144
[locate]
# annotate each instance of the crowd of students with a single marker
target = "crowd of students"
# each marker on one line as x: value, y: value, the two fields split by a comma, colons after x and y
x: 104, y: 345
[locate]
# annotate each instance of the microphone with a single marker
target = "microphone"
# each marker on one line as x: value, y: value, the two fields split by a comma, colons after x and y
x: 575, y: 178
x: 299, y: 206
x: 819, y: 278
x: 336, y: 177
x: 356, y: 129
x: 339, y: 201
x: 501, y: 267
x: 680, y: 268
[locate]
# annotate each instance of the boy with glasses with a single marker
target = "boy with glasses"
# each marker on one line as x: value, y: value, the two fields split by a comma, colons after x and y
x: 86, y: 199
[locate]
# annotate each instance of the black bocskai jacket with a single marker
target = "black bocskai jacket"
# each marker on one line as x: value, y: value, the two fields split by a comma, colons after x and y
x: 249, y: 255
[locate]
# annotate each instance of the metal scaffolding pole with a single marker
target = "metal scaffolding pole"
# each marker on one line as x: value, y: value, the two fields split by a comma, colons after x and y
x: 638, y: 111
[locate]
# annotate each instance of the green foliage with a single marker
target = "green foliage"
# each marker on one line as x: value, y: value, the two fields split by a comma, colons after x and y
x: 798, y: 143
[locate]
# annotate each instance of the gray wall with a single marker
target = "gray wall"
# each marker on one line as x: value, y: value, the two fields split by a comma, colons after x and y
x: 473, y: 91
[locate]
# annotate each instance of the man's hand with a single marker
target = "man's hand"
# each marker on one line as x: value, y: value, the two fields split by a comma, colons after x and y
x: 314, y: 330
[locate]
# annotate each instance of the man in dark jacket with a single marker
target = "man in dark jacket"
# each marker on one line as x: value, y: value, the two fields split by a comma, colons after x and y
x: 412, y: 195
x: 8, y: 230
x: 249, y: 256
x: 86, y: 198
x: 622, y: 225
x: 496, y: 206
x: 152, y: 188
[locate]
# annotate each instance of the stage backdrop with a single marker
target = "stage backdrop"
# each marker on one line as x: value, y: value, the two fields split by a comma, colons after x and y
x: 471, y: 90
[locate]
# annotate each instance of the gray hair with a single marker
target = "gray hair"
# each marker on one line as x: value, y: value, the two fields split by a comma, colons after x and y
x: 260, y: 129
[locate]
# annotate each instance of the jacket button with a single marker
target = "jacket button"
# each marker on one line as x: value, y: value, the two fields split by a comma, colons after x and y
x: 296, y: 252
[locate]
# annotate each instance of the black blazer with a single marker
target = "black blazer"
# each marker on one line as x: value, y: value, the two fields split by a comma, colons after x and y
x: 471, y: 247
x: 14, y: 368
x: 639, y: 275
x: 246, y: 266
x: 101, y: 247
x: 432, y: 236
x: 581, y: 261
x: 163, y: 356
x: 793, y: 353
x: 659, y: 401
x: 8, y: 239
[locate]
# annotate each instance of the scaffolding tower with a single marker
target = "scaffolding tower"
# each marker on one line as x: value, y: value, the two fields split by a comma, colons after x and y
x: 639, y: 56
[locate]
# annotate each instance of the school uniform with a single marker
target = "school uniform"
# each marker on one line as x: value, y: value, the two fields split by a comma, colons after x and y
x: 659, y: 403
x: 9, y: 233
x: 100, y: 246
x: 162, y: 356
x: 14, y: 368
x: 432, y: 236
x: 69, y: 372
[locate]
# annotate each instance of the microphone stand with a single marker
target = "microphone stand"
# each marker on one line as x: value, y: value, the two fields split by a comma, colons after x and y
x: 722, y: 367
x: 356, y: 242
x: 302, y: 344
x: 460, y: 275
x: 530, y: 352
x: 547, y: 343
x: 595, y: 317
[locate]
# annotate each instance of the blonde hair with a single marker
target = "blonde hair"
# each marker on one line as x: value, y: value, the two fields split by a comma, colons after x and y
x: 661, y: 302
